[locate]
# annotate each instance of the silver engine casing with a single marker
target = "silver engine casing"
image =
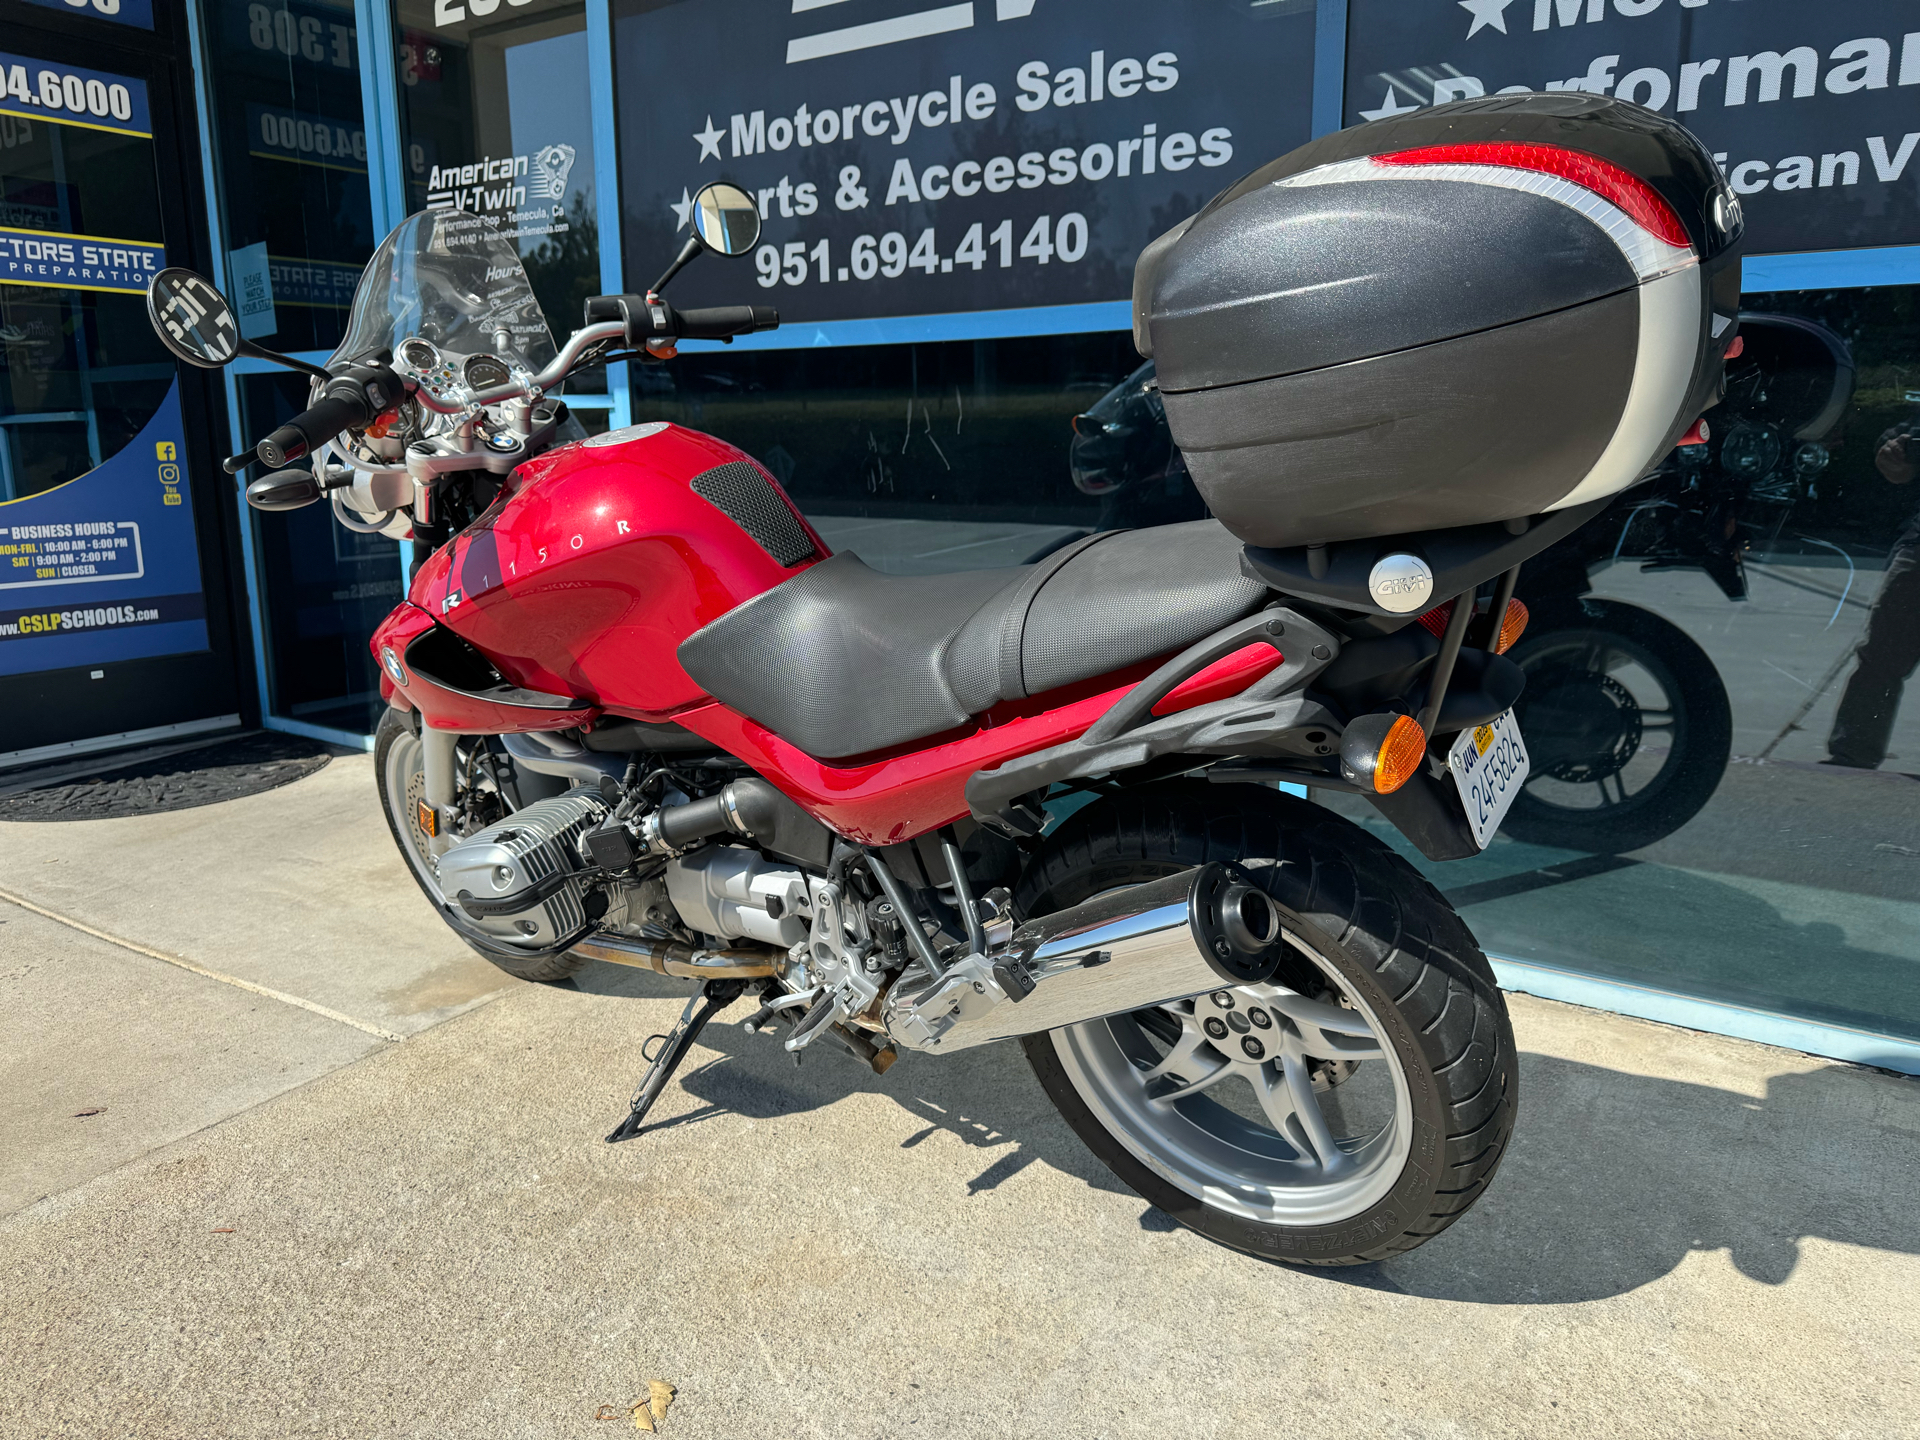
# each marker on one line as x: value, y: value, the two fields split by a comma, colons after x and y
x: 517, y: 881
x: 731, y: 892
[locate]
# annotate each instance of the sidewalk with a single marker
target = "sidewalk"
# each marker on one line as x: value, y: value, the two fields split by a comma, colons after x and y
x: 285, y: 1222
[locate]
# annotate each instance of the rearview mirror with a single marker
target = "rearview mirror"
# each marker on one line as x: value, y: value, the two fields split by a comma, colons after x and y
x: 726, y: 219
x: 192, y: 318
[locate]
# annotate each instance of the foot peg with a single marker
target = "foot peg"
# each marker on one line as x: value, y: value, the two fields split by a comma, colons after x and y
x: 706, y: 1003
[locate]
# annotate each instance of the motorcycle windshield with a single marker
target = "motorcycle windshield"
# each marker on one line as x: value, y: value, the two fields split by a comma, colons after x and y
x: 451, y: 279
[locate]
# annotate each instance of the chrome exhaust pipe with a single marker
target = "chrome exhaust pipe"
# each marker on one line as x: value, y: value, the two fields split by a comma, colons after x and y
x: 1141, y: 946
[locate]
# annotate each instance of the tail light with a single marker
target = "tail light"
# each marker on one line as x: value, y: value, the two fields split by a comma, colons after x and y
x: 1382, y: 751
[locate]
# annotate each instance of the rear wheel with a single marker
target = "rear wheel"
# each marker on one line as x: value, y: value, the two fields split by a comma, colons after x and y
x: 400, y: 774
x: 1348, y: 1110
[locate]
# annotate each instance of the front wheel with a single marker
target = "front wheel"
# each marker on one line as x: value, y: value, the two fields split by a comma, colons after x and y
x: 1350, y: 1109
x: 400, y: 773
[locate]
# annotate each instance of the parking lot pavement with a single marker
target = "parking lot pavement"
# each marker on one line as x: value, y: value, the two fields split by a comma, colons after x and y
x: 1690, y: 1236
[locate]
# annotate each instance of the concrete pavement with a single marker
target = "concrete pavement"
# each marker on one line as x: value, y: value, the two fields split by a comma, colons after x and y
x: 283, y: 1224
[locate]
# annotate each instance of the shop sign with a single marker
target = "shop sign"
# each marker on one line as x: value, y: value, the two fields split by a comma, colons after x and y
x: 104, y: 567
x: 1810, y: 109
x: 121, y: 12
x: 525, y: 193
x: 78, y: 262
x: 965, y: 157
x: 70, y: 95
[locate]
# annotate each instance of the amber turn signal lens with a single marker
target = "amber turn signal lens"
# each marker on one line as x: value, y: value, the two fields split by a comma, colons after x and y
x: 1400, y: 755
x: 1380, y: 752
x: 1512, y: 624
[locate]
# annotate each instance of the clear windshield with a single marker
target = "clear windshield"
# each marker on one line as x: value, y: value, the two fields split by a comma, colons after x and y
x: 452, y: 279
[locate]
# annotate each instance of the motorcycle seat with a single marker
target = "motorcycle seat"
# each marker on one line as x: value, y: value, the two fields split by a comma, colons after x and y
x: 844, y: 660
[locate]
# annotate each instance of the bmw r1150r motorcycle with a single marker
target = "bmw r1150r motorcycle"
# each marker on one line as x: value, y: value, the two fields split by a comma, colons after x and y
x: 640, y: 714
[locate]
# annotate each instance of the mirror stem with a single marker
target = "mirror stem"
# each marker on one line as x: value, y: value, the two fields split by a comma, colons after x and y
x: 692, y: 248
x: 260, y: 352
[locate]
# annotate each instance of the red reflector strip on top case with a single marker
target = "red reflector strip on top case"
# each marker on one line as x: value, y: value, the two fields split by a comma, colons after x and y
x: 1629, y: 192
x: 1647, y: 251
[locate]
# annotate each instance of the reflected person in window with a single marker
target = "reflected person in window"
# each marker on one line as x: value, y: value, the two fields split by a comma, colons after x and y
x: 1887, y: 654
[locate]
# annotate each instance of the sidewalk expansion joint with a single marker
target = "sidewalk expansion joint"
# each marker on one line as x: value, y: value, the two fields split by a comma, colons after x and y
x: 221, y: 976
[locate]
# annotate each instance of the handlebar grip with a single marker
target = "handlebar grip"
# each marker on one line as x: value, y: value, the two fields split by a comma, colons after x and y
x: 342, y: 405
x: 721, y: 322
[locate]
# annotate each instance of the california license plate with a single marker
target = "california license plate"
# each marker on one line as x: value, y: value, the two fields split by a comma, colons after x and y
x: 1490, y: 767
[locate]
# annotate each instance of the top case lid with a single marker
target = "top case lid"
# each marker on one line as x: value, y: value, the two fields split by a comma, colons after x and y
x: 1409, y: 231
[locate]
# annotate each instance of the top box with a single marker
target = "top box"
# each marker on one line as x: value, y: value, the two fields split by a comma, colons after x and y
x: 1483, y: 312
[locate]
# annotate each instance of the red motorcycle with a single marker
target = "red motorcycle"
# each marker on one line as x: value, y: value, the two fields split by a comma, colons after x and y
x: 639, y: 713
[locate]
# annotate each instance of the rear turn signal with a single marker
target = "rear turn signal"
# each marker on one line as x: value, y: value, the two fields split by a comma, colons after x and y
x: 1381, y: 752
x: 1512, y: 624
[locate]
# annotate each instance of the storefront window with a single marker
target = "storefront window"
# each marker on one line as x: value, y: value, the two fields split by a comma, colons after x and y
x: 1720, y: 708
x: 921, y: 458
x: 325, y: 588
x: 293, y: 166
x: 292, y: 151
x: 80, y: 369
x: 496, y: 122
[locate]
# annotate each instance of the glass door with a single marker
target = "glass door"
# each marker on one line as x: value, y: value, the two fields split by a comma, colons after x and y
x: 109, y: 518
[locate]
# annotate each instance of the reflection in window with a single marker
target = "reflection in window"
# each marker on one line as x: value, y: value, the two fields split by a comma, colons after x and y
x: 494, y: 106
x: 292, y: 152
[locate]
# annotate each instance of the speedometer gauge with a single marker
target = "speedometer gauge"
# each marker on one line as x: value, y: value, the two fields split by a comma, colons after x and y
x: 483, y: 372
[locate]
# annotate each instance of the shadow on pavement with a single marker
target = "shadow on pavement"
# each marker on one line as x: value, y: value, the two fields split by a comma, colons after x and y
x: 1612, y: 1180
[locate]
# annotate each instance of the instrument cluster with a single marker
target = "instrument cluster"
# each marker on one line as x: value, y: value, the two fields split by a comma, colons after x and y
x: 454, y: 381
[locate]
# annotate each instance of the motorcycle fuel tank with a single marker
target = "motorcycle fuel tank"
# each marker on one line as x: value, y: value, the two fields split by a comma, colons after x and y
x: 1479, y: 313
x: 601, y: 557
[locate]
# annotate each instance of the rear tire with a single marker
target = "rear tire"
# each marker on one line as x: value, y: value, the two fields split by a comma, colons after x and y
x: 398, y: 773
x: 1377, y: 941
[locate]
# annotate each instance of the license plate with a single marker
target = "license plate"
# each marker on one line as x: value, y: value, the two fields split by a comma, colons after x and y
x: 1490, y: 767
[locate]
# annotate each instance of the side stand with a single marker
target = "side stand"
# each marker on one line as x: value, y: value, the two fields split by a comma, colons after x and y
x: 706, y: 1003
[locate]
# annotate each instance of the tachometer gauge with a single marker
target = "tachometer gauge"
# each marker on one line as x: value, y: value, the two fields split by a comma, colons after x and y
x: 484, y: 372
x: 418, y: 356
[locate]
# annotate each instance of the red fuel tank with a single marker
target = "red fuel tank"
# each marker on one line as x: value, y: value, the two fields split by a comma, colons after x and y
x: 601, y: 557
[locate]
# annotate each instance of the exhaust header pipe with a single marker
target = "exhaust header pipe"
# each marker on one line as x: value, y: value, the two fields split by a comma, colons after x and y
x: 1142, y: 946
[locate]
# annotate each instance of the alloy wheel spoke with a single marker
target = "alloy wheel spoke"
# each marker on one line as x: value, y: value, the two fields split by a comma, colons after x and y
x: 1328, y: 1031
x: 1222, y: 1069
x: 1288, y: 1098
x: 1183, y: 1053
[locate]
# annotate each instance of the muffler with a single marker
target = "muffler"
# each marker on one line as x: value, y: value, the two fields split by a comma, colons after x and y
x: 1140, y: 946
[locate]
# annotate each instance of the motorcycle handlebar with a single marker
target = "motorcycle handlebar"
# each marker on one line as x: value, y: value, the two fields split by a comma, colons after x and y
x: 347, y: 403
x: 721, y: 322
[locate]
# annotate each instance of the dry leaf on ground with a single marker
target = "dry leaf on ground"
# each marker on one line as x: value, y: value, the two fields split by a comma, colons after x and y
x: 651, y: 1410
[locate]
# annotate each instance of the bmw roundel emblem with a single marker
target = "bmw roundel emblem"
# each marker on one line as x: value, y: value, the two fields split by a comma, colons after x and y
x: 390, y: 663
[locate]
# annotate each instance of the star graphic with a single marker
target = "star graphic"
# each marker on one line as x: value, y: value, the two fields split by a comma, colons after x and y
x: 1389, y: 108
x: 682, y: 208
x: 709, y: 140
x: 1485, y: 13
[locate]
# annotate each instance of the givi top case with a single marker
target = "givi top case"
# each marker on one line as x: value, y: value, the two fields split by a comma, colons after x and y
x: 1486, y: 311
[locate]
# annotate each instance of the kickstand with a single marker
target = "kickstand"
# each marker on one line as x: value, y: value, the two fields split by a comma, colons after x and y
x: 706, y: 1003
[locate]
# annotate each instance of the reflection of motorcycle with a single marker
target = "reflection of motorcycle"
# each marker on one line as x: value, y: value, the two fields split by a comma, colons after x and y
x: 1628, y: 723
x: 1627, y: 720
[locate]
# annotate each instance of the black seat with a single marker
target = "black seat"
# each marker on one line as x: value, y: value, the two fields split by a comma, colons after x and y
x: 843, y: 660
